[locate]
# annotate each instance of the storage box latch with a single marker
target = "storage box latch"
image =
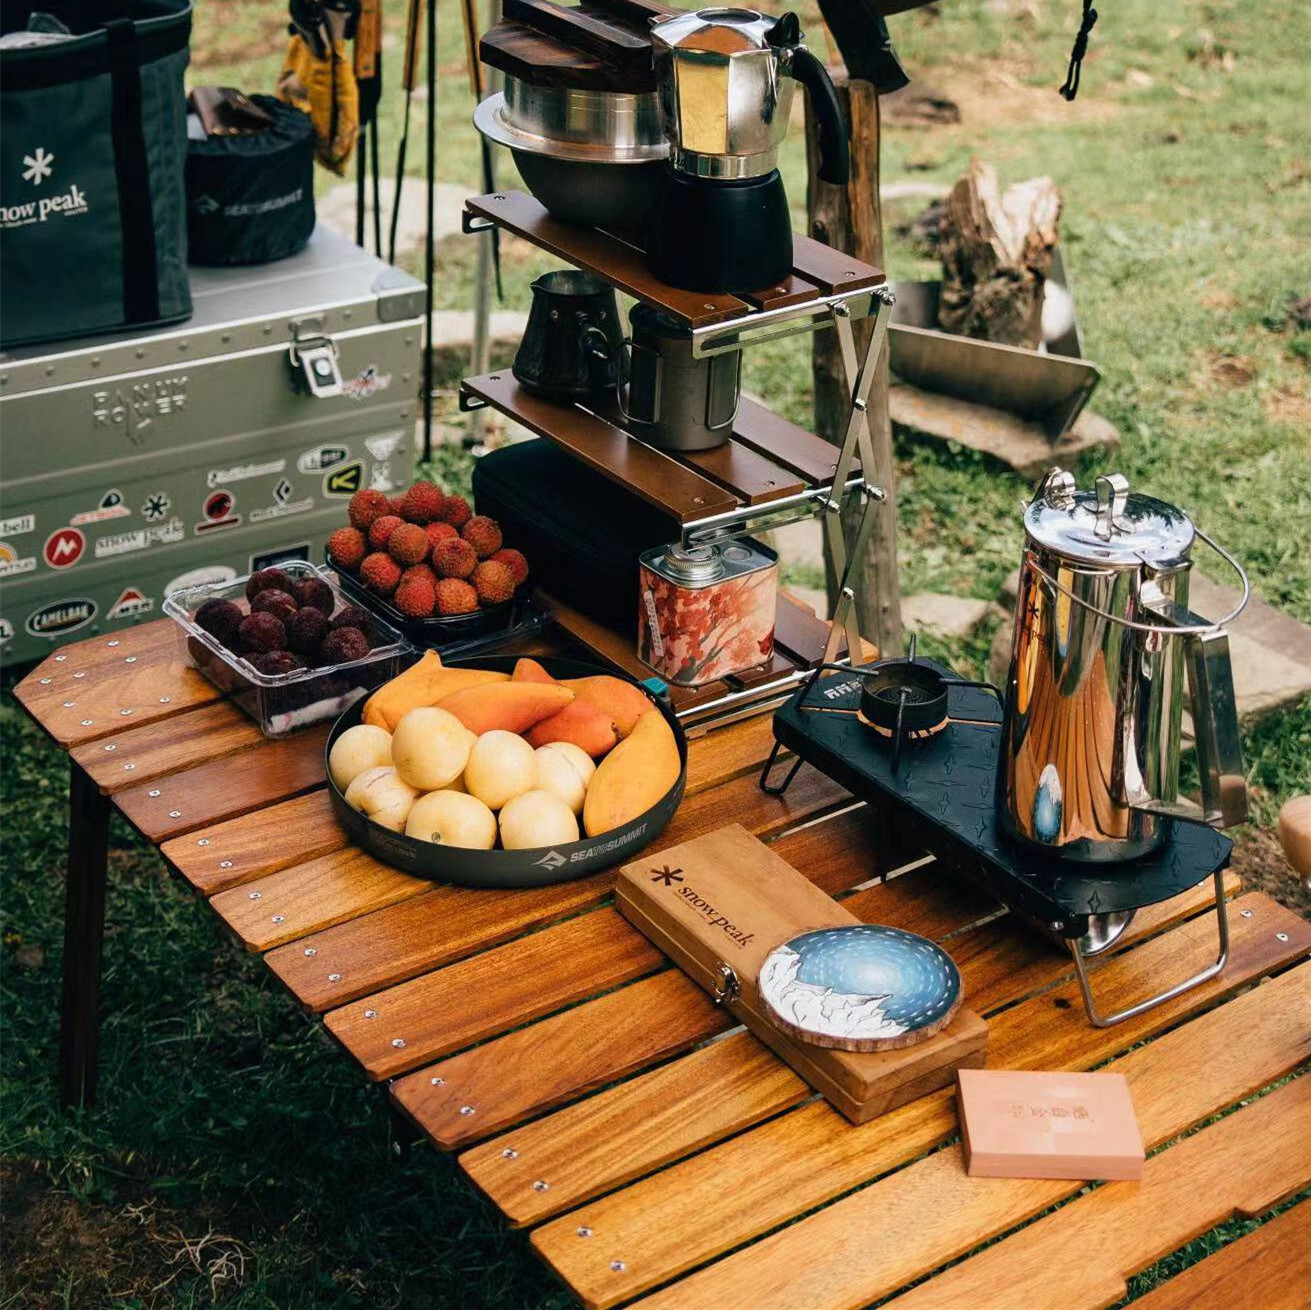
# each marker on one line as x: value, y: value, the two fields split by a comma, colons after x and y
x: 727, y: 987
x: 314, y: 359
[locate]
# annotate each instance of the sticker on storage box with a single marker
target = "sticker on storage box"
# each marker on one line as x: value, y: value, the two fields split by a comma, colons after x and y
x: 244, y: 472
x: 61, y: 617
x: 6, y: 632
x: 384, y: 445
x: 124, y: 543
x: 18, y: 525
x: 12, y: 564
x: 64, y: 547
x: 156, y: 506
x: 322, y: 458
x: 280, y: 555
x: 130, y: 605
x: 111, y: 506
x: 365, y: 383
x: 218, y: 511
x: 283, y: 505
x: 345, y: 481
x: 207, y: 575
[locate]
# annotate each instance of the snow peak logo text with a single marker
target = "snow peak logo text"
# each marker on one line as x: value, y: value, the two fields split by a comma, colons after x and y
x: 69, y: 203
x: 712, y: 915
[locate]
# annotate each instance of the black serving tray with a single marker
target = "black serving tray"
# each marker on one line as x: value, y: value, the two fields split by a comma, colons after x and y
x: 497, y: 868
x: 943, y: 798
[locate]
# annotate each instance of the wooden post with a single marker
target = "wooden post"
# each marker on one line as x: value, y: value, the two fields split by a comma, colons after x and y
x: 849, y: 219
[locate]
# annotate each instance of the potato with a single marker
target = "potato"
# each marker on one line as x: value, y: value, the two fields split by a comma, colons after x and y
x: 537, y: 818
x: 383, y: 796
x: 558, y: 774
x: 358, y: 748
x: 501, y: 765
x: 430, y: 748
x: 452, y: 818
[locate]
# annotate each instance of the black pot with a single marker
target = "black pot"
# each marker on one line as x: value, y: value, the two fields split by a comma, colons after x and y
x: 526, y: 868
x: 616, y: 197
x: 570, y: 348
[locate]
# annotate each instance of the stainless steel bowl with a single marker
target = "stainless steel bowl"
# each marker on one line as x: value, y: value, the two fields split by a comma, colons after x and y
x: 590, y: 157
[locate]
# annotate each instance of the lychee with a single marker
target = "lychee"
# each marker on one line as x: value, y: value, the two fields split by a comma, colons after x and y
x: 380, y: 573
x: 395, y: 504
x: 316, y: 593
x: 408, y: 544
x: 440, y: 532
x: 514, y: 560
x: 380, y: 530
x: 342, y: 645
x: 422, y: 503
x: 366, y: 506
x: 306, y: 630
x: 261, y: 632
x: 266, y: 579
x: 418, y: 571
x: 416, y: 598
x: 275, y: 661
x: 347, y: 547
x: 454, y: 558
x: 221, y: 619
x: 455, y: 597
x: 493, y: 582
x: 483, y: 534
x: 276, y: 602
x: 456, y: 511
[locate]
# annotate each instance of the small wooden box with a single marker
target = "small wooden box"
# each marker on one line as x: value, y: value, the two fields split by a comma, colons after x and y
x: 721, y: 903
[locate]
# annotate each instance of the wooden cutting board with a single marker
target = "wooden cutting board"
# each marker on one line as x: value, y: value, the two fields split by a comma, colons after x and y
x: 718, y: 905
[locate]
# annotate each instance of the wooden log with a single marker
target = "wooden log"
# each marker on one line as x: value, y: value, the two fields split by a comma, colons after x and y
x: 848, y: 218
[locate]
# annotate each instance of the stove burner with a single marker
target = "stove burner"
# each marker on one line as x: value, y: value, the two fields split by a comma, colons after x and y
x: 901, y: 696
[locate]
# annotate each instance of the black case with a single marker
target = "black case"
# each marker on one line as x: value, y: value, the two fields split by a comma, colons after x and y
x: 582, y: 534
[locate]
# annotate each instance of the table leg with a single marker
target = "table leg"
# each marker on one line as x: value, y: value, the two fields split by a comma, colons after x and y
x: 84, y: 927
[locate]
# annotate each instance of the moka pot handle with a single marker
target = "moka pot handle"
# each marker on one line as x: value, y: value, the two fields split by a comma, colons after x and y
x: 800, y: 63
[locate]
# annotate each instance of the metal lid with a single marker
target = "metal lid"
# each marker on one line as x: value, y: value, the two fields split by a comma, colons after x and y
x: 693, y: 563
x: 861, y: 987
x: 1107, y: 526
x: 715, y: 33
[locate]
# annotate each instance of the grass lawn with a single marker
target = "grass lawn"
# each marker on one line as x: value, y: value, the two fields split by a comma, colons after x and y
x: 235, y: 1157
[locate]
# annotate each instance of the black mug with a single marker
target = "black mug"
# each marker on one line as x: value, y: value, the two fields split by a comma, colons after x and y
x: 571, y: 346
x: 672, y: 398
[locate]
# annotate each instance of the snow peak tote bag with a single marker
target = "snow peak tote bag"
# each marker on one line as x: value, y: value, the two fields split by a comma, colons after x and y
x: 92, y: 150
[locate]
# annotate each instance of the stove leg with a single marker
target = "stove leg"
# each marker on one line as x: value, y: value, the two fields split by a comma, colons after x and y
x: 1109, y: 1020
x: 84, y: 929
x: 771, y: 789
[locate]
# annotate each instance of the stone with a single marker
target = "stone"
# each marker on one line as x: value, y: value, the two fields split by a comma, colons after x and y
x: 946, y: 616
x: 336, y: 209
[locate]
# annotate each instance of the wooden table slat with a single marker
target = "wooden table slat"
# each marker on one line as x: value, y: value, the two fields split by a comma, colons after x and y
x: 814, y: 1154
x: 1000, y: 962
x: 746, y: 473
x: 810, y: 457
x: 914, y: 1220
x: 1242, y: 1166
x: 392, y: 1031
x: 484, y: 1090
x: 221, y: 789
x: 1268, y: 1269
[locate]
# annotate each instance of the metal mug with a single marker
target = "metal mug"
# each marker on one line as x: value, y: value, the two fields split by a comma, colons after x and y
x: 1104, y: 640
x: 571, y: 345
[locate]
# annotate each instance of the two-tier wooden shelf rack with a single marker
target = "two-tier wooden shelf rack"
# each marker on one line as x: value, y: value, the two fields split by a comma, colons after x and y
x: 770, y: 473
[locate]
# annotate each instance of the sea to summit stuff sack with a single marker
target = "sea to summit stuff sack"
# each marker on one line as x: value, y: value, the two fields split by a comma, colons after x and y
x: 92, y: 148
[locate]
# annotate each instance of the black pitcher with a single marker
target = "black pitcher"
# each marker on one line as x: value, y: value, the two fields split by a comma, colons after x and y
x: 570, y: 348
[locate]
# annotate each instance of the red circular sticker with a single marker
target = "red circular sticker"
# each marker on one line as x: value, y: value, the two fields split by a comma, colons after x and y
x: 64, y: 547
x: 218, y: 505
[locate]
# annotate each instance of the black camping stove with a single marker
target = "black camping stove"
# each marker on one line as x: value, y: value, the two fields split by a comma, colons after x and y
x: 921, y: 745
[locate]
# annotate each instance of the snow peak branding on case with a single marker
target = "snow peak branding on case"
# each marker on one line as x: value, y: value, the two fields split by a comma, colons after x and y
x: 37, y: 167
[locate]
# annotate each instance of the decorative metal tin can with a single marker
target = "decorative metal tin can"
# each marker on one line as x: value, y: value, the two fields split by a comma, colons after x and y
x: 706, y: 611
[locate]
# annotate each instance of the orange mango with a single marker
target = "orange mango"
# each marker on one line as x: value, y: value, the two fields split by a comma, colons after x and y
x: 622, y: 701
x: 423, y: 683
x: 587, y: 727
x: 633, y: 777
x: 510, y: 706
x: 526, y: 670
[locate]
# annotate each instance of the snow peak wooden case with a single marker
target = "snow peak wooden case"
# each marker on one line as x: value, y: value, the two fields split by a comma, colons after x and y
x: 718, y: 905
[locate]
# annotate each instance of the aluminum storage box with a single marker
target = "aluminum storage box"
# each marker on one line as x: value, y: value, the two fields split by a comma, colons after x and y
x: 135, y: 465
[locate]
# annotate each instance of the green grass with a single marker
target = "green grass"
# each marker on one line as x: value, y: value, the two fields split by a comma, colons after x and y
x: 236, y: 1157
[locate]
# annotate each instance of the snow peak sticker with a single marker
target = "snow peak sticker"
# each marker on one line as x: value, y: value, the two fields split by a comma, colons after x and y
x: 18, y: 525
x: 11, y: 564
x: 345, y: 481
x: 111, y: 507
x: 60, y: 617
x: 244, y: 472
x: 123, y: 543
x: 130, y: 604
x: 64, y: 547
x: 156, y: 507
x: 207, y: 575
x: 322, y: 459
x: 365, y: 383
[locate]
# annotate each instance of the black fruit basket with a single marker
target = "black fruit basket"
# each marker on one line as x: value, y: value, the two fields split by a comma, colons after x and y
x: 455, y: 634
x: 522, y: 868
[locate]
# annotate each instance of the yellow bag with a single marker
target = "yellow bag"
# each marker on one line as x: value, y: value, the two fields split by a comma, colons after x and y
x: 326, y: 90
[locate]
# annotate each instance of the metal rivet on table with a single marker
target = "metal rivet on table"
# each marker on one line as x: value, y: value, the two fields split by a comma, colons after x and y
x: 114, y: 643
x: 128, y: 767
x: 1247, y: 914
x: 125, y: 713
x: 584, y: 1231
x: 202, y: 841
x: 81, y: 673
x: 225, y: 864
x: 466, y: 1109
x: 541, y: 1185
x: 278, y: 918
x: 129, y: 659
x: 111, y: 747
x: 59, y: 659
x: 1281, y: 936
x: 164, y: 700
x: 175, y: 814
x: 69, y: 704
x: 334, y: 977
x: 509, y: 1153
x: 310, y: 950
x: 86, y: 723
x: 45, y: 682
x: 441, y: 1082
x: 398, y: 1042
x: 618, y: 1266
x: 254, y: 896
x: 370, y: 1014
x: 154, y: 791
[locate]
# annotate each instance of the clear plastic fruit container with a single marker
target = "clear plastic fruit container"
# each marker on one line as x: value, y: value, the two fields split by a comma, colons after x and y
x: 283, y: 702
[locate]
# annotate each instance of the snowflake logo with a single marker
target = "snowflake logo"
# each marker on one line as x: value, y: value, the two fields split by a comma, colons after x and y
x: 39, y: 166
x: 667, y: 875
